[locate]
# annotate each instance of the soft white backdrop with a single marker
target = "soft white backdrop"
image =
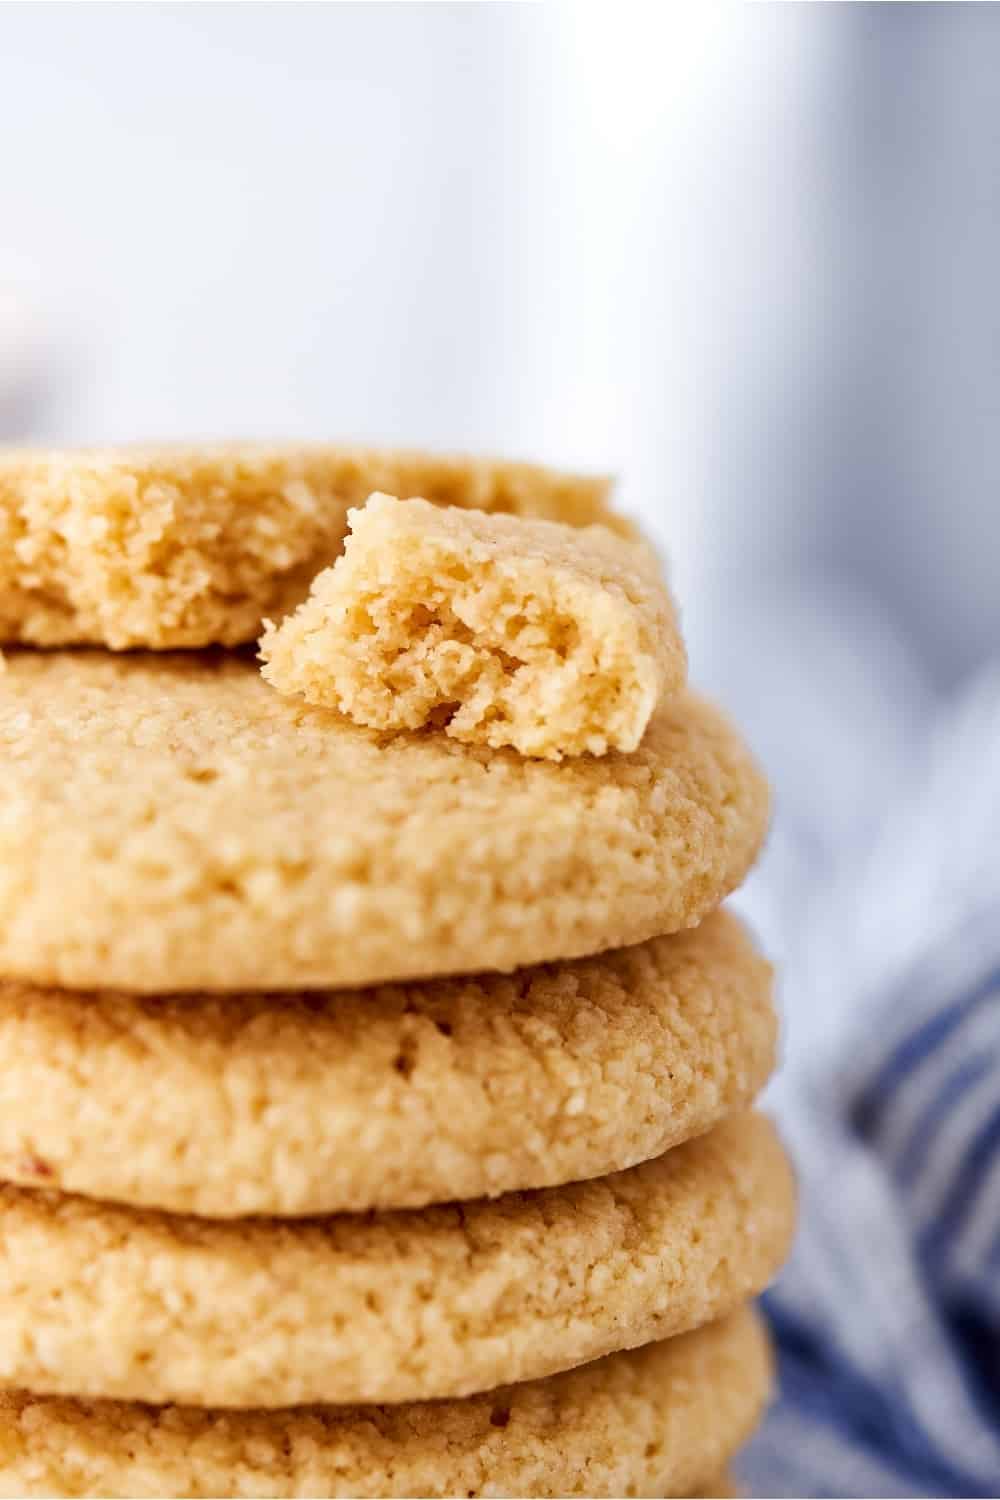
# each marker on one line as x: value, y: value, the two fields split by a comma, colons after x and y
x: 516, y: 227
x: 742, y: 255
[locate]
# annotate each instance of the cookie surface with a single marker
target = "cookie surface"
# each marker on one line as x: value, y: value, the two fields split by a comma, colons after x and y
x: 172, y: 823
x: 193, y: 546
x: 113, y: 1302
x: 497, y: 629
x: 408, y: 1095
x: 653, y: 1421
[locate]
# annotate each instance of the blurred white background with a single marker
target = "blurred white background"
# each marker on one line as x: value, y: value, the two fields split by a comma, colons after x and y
x: 463, y: 225
x: 741, y: 255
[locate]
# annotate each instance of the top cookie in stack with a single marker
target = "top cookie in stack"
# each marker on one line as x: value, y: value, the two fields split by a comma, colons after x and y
x: 180, y: 547
x: 262, y: 963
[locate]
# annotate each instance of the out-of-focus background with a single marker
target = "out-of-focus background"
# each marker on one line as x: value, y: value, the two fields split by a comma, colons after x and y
x: 741, y: 255
x: 747, y: 257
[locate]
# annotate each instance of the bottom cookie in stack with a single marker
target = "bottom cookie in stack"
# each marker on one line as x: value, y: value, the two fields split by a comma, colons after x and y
x: 285, y: 1105
x: 661, y: 1420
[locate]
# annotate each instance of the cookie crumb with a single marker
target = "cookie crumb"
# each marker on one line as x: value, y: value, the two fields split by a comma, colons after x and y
x: 495, y: 629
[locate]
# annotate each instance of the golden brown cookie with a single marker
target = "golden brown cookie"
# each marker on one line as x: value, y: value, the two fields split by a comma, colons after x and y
x: 193, y: 546
x: 102, y: 1301
x: 295, y: 1104
x: 171, y: 823
x: 499, y: 630
x: 646, y: 1422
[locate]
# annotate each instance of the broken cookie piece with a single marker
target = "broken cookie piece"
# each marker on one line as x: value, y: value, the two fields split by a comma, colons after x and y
x: 500, y: 630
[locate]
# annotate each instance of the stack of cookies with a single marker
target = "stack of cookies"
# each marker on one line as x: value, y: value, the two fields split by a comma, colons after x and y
x: 376, y: 1096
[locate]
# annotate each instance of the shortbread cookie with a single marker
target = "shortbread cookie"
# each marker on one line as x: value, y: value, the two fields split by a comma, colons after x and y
x: 125, y: 1303
x: 172, y: 823
x: 653, y: 1421
x: 499, y: 630
x: 396, y: 1098
x: 192, y: 546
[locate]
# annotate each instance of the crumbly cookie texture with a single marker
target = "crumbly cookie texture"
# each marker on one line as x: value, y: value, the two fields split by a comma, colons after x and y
x: 193, y: 546
x: 499, y: 630
x: 408, y: 1095
x: 171, y: 823
x: 653, y: 1421
x: 101, y: 1301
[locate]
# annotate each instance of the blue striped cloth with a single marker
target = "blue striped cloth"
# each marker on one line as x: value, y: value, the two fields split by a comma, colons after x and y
x: 880, y: 897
